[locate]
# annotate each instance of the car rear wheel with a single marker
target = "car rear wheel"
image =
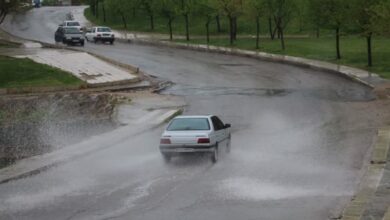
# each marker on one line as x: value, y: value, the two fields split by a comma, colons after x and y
x: 167, y: 158
x: 228, y: 145
x: 214, y: 155
x: 111, y: 42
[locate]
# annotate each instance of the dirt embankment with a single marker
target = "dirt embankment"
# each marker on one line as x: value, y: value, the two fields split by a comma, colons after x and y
x: 38, y: 124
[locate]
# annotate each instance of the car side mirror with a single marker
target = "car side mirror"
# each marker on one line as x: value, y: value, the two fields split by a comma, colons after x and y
x: 228, y: 125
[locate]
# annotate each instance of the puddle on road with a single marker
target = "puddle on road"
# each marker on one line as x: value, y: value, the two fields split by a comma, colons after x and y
x: 218, y: 91
x: 341, y: 95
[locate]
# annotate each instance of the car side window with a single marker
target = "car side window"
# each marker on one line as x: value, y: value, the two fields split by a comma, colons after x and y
x: 220, y: 123
x: 217, y: 123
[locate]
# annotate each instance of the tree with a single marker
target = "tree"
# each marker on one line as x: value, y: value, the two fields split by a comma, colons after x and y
x: 208, y: 12
x: 185, y: 9
x: 168, y: 10
x: 314, y: 10
x: 148, y: 6
x: 281, y: 11
x: 334, y: 14
x: 256, y: 9
x: 119, y: 7
x: 380, y: 18
x: 5, y: 7
x: 232, y: 9
x: 363, y: 17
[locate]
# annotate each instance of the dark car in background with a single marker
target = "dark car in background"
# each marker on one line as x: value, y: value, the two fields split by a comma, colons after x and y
x: 69, y: 35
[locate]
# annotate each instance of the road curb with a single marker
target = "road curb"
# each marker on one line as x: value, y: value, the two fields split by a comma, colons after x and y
x: 371, y: 178
x: 20, y: 170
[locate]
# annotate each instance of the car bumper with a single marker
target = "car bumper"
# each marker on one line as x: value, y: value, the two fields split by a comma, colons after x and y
x: 104, y: 38
x: 75, y: 41
x: 179, y: 149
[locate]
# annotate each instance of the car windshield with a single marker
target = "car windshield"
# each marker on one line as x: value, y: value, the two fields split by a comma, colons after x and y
x: 104, y: 29
x: 72, y: 31
x: 189, y: 124
x: 73, y: 23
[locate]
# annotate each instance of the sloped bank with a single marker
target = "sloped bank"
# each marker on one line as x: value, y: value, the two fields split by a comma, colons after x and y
x: 32, y: 125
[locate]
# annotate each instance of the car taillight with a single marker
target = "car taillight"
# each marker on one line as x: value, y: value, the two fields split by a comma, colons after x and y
x: 165, y: 141
x: 203, y: 141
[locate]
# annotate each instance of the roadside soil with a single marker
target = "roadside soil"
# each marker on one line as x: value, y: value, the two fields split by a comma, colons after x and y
x: 31, y: 125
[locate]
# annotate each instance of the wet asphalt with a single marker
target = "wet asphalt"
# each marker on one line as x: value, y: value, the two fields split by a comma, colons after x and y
x: 299, y: 142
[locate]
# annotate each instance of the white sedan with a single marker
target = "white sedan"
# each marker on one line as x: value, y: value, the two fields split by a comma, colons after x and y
x: 195, y: 134
x: 102, y: 34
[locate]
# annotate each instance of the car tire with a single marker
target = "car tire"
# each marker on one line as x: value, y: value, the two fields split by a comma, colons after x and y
x: 214, y: 155
x: 228, y: 145
x: 82, y: 44
x: 167, y: 158
x: 112, y: 42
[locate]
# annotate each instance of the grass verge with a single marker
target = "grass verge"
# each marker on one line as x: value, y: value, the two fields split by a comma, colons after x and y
x: 15, y: 73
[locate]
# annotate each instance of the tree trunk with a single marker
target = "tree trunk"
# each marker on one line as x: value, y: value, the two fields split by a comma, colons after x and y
x: 338, y: 43
x: 218, y: 24
x: 104, y: 12
x: 369, y: 49
x: 282, y: 38
x: 231, y: 30
x: 257, y: 32
x: 97, y: 9
x: 208, y: 32
x: 234, y: 28
x: 123, y: 19
x: 151, y: 21
x: 170, y: 29
x: 271, y: 33
x: 187, y: 27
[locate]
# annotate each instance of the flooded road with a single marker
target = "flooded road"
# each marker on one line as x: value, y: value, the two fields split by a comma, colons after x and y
x: 299, y: 141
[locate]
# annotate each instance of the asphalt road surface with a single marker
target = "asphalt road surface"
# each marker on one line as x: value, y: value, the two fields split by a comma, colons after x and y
x: 299, y: 143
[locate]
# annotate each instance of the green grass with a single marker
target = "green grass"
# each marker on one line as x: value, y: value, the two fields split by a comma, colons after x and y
x: 353, y: 50
x: 15, y: 72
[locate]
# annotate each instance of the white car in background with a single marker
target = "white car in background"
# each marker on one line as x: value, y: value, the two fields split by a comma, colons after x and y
x: 102, y: 34
x: 71, y: 23
x: 195, y: 134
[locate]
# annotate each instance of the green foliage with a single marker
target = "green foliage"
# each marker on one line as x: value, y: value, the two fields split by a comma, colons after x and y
x: 380, y: 18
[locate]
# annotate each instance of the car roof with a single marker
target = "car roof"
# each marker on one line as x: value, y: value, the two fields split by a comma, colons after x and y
x: 102, y: 27
x: 71, y: 21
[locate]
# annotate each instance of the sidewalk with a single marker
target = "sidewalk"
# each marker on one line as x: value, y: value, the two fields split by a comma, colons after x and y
x: 90, y: 69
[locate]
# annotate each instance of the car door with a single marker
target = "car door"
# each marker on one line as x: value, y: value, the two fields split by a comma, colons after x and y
x: 224, y: 131
x: 217, y: 129
x: 57, y: 35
